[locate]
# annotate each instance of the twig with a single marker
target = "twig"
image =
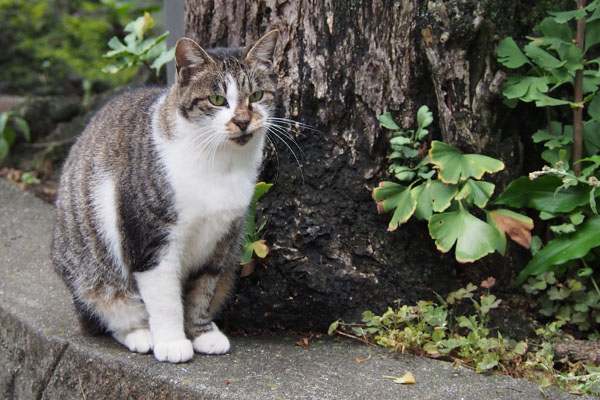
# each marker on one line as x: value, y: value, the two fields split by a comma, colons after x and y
x: 81, y: 388
x: 354, y: 337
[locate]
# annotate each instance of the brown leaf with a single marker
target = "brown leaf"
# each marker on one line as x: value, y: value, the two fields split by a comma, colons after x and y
x: 517, y: 226
x: 488, y: 283
x: 248, y: 269
x: 303, y: 343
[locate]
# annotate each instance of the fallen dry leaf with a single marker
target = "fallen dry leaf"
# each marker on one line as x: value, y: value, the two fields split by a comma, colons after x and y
x: 303, y: 343
x: 406, y: 379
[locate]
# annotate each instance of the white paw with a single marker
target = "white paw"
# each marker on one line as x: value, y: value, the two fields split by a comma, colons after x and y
x: 137, y: 340
x: 175, y: 352
x: 213, y: 342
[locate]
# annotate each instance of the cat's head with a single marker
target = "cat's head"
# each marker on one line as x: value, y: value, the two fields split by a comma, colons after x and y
x: 229, y: 92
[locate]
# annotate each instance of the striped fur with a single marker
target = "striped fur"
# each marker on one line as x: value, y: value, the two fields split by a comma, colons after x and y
x: 153, y: 196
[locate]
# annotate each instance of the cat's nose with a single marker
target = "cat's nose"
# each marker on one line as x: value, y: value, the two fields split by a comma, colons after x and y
x: 242, y: 123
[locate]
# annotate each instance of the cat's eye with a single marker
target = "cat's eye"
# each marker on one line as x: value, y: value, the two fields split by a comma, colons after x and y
x: 256, y: 96
x: 217, y: 100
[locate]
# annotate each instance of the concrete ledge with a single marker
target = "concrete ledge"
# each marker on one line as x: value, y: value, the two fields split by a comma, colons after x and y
x: 44, y: 356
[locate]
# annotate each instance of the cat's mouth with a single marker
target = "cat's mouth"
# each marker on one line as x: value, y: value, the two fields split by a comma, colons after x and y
x: 242, y: 139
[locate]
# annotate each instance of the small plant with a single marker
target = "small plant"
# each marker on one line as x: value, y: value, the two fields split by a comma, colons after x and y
x: 445, y: 202
x: 136, y: 50
x: 9, y: 121
x: 437, y: 330
x: 253, y: 243
x: 575, y: 301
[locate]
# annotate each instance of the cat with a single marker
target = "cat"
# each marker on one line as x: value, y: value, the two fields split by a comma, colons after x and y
x: 152, y: 201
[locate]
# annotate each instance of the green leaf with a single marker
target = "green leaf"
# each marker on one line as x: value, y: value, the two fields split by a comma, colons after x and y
x: 400, y: 140
x: 10, y: 136
x: 4, y: 148
x: 3, y: 120
x: 387, y: 121
x: 333, y: 327
x: 592, y: 34
x: 23, y: 127
x: 247, y: 253
x: 431, y: 196
x: 392, y: 196
x: 454, y: 166
x: 525, y: 88
x: 474, y: 238
x: 161, y: 60
x: 565, y: 16
x: 550, y: 28
x: 510, y: 55
x: 563, y: 249
x: 476, y: 192
x: 563, y: 228
x: 424, y: 119
x: 402, y: 173
x: 542, y: 58
x: 541, y: 194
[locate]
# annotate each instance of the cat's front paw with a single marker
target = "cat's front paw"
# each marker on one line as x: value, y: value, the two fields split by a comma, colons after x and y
x: 136, y: 340
x: 213, y: 342
x: 176, y: 351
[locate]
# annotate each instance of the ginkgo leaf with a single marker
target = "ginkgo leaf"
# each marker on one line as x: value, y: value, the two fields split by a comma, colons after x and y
x: 476, y: 192
x: 432, y: 196
x: 392, y: 196
x: 474, y: 238
x: 510, y: 55
x: 387, y: 121
x: 454, y: 166
x: 517, y: 226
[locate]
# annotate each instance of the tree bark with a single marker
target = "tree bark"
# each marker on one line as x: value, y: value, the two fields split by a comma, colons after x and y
x: 341, y: 63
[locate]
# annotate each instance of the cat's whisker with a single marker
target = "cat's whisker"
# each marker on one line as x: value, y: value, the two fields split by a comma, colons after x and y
x: 276, y: 155
x: 272, y: 131
x: 284, y: 132
x: 293, y: 123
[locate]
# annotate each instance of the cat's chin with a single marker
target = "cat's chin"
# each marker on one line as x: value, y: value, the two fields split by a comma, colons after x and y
x: 242, y: 139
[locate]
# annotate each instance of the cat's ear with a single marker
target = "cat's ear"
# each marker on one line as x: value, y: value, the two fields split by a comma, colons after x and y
x: 262, y: 51
x: 189, y: 59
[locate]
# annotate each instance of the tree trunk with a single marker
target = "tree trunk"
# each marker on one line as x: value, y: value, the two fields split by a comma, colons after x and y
x: 341, y: 63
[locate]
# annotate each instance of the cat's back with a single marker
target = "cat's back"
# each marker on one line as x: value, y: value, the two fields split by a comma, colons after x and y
x: 120, y: 124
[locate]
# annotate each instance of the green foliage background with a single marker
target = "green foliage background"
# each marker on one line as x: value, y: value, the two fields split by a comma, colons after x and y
x: 50, y: 46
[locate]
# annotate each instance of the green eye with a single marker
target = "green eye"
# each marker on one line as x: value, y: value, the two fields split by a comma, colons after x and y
x: 256, y: 96
x: 217, y: 100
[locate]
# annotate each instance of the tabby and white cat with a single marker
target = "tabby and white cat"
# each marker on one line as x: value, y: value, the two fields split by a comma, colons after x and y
x: 153, y: 196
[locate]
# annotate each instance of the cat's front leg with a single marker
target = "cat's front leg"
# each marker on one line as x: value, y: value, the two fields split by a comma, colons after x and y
x: 160, y: 288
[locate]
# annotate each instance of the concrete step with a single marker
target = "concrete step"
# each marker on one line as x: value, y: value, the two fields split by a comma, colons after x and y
x: 44, y: 355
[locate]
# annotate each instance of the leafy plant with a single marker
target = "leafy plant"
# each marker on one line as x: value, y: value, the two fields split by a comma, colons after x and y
x: 9, y: 121
x: 437, y: 330
x: 444, y: 202
x: 573, y: 300
x: 253, y: 243
x: 546, y: 70
x: 136, y: 50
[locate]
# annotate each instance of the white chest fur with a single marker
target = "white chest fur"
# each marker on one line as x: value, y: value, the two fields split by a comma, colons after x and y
x: 212, y: 187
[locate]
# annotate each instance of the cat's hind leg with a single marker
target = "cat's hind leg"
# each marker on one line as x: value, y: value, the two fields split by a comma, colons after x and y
x: 125, y: 317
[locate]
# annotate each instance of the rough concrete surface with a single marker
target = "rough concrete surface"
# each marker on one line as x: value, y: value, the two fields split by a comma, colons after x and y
x: 44, y: 356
